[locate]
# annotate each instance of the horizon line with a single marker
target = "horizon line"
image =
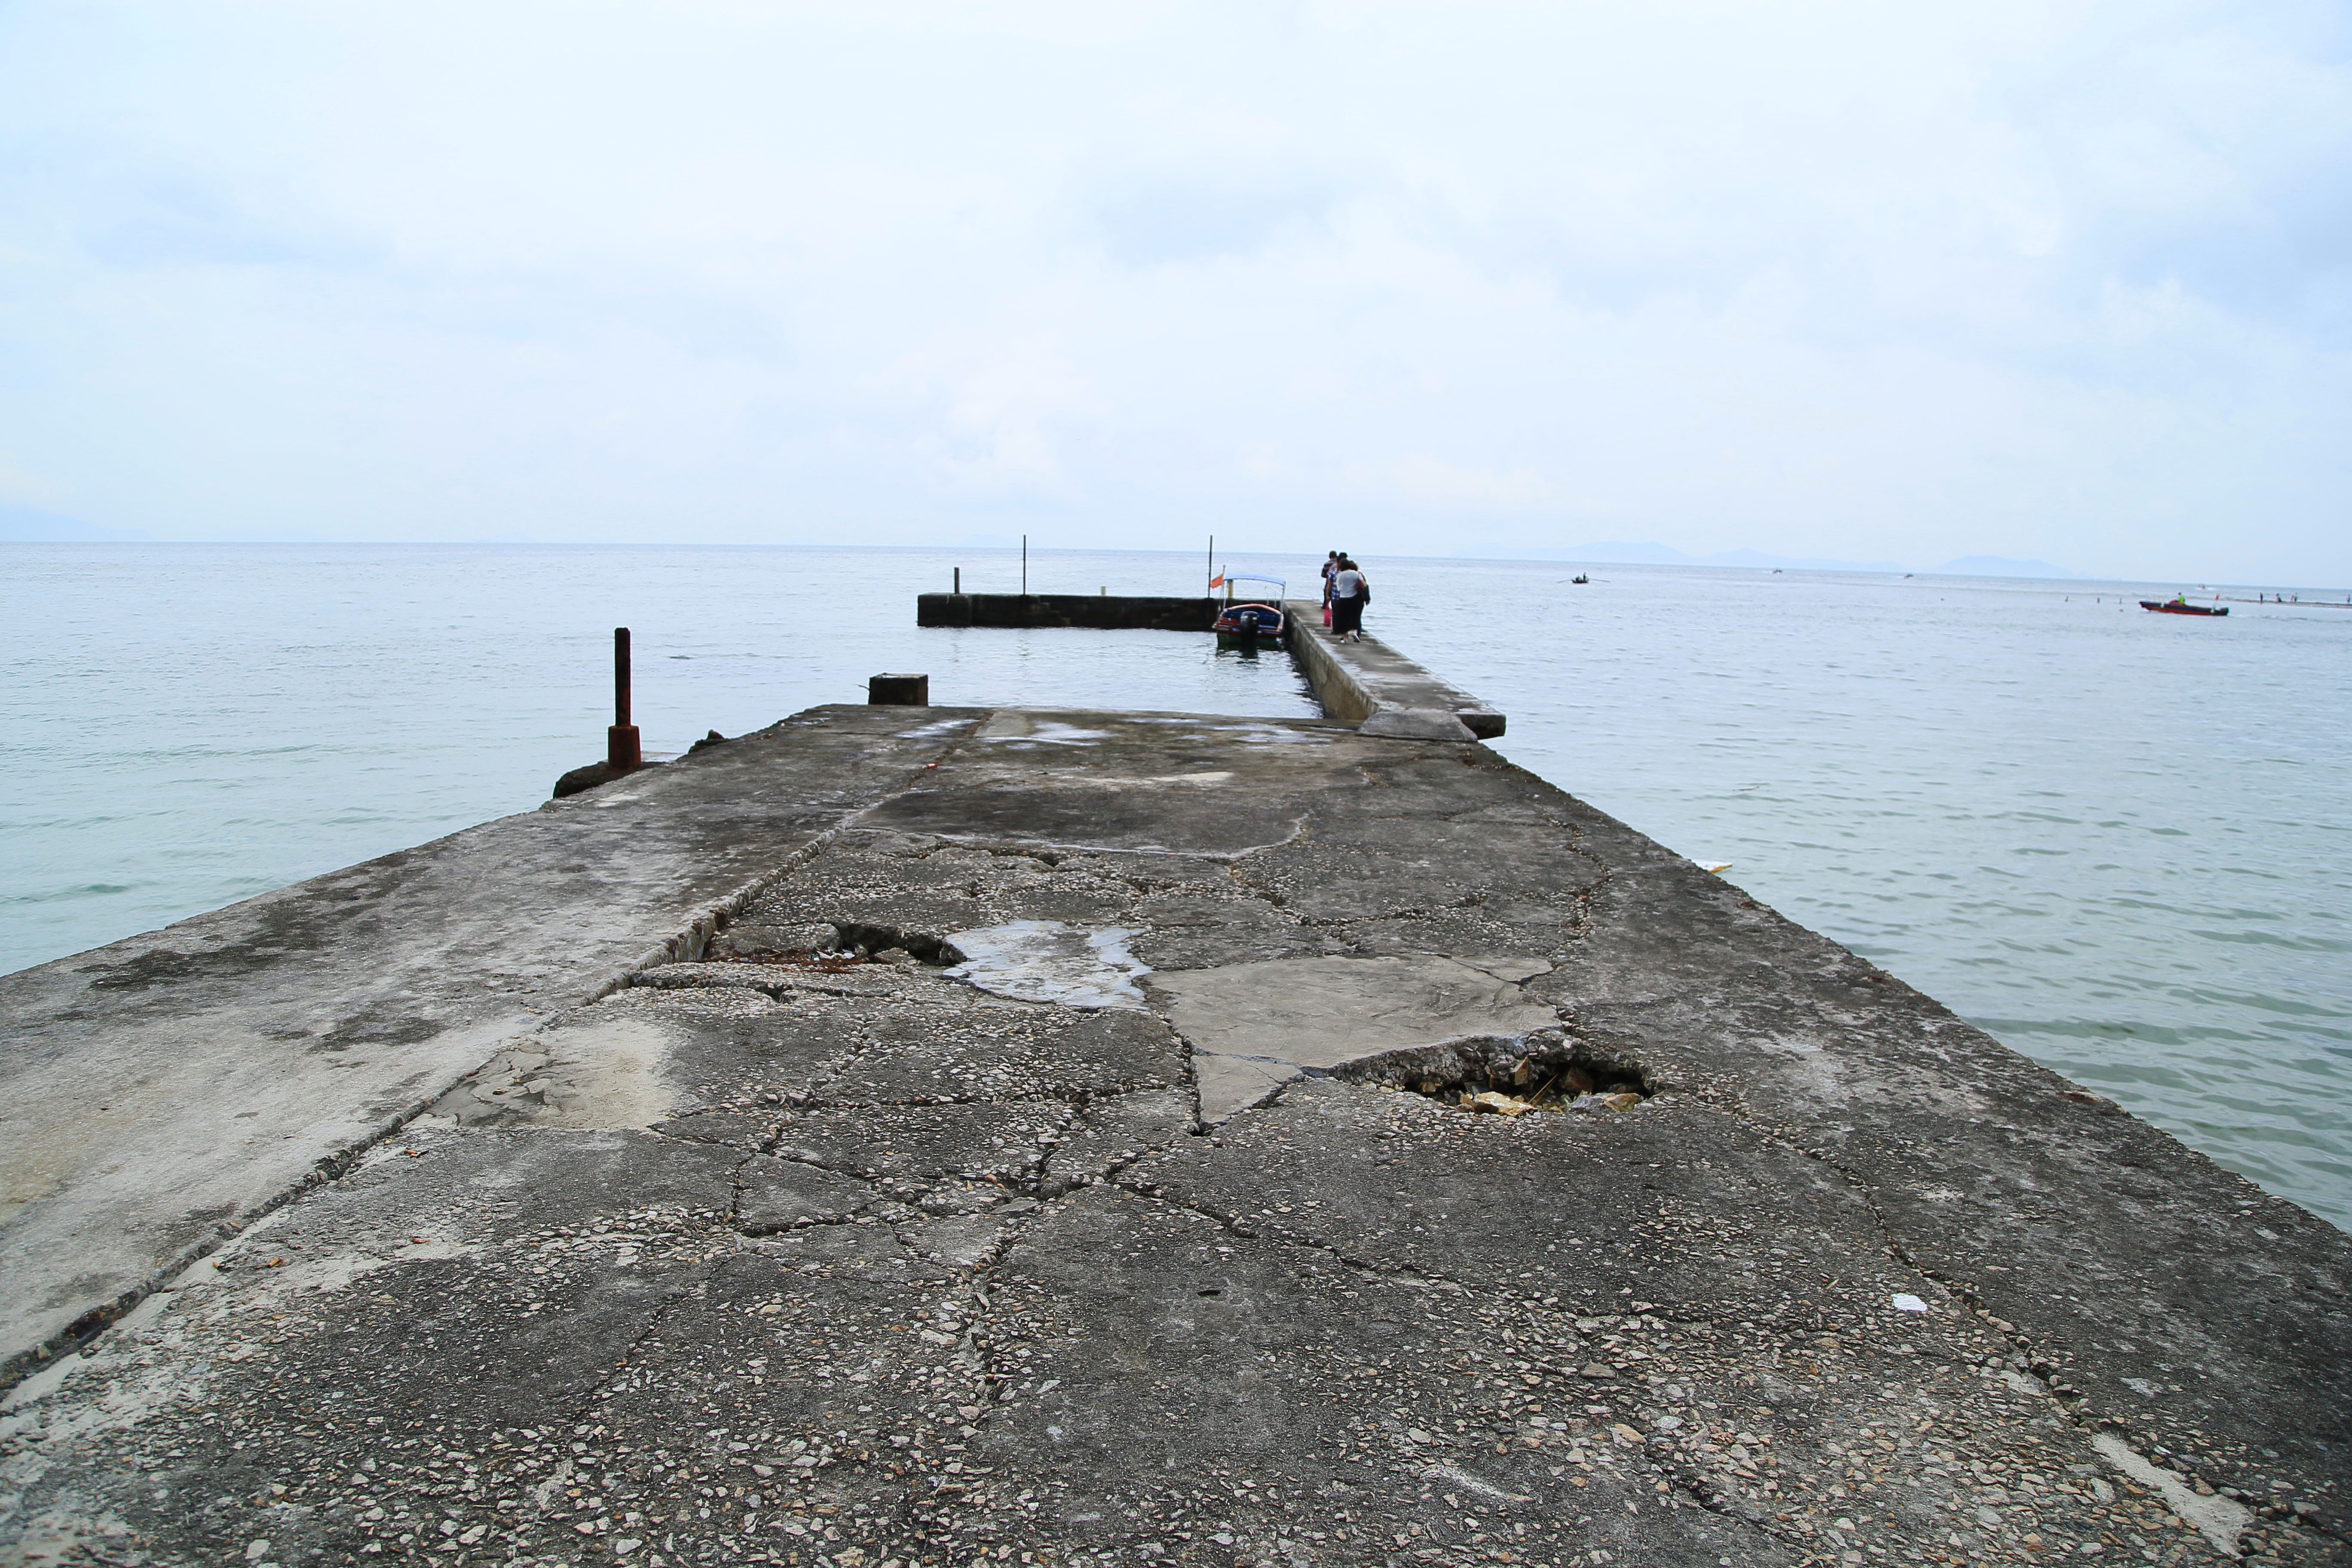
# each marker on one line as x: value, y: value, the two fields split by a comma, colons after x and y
x: 1554, y: 561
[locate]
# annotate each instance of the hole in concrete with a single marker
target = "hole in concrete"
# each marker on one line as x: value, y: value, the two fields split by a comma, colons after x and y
x: 830, y: 949
x: 1509, y: 1075
x: 880, y: 941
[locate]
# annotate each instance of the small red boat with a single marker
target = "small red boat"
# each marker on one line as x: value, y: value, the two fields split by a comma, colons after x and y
x: 2182, y: 608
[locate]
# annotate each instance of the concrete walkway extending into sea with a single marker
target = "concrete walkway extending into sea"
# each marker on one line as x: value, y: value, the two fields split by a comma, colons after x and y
x: 905, y: 1135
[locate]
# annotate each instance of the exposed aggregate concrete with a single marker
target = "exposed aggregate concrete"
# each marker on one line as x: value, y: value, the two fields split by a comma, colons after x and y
x: 816, y: 1259
x: 162, y: 1092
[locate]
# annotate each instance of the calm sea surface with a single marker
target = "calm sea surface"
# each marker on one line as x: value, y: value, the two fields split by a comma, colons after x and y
x: 2120, y: 842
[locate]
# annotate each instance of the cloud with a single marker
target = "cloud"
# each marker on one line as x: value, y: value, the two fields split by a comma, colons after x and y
x: 2060, y: 281
x: 1002, y: 403
x: 1146, y: 220
x: 169, y: 220
x: 1428, y: 481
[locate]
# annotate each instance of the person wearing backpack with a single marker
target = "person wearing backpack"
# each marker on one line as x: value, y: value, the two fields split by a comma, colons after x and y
x: 1350, y: 592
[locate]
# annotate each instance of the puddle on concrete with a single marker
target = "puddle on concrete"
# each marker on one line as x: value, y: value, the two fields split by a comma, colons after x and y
x: 934, y: 730
x: 1252, y: 732
x: 1506, y: 1076
x: 1045, y: 961
x: 1025, y: 734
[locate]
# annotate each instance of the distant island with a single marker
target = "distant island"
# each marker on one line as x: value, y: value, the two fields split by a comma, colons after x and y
x: 23, y: 525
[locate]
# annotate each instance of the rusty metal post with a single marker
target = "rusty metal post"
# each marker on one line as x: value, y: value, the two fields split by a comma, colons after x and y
x: 622, y: 753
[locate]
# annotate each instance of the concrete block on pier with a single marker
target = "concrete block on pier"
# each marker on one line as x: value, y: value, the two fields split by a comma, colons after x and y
x: 899, y: 692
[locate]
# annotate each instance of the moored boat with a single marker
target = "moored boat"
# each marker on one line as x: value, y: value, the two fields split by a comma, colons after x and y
x: 1249, y: 625
x: 1250, y: 622
x: 2182, y: 608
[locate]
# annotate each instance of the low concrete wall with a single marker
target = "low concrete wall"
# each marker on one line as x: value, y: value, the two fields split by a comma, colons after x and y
x: 1357, y: 681
x: 1105, y: 611
x: 1318, y: 658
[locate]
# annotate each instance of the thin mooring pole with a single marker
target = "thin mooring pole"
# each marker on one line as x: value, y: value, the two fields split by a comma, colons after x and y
x: 1213, y: 565
x: 622, y: 752
x: 958, y: 579
x: 1024, y: 565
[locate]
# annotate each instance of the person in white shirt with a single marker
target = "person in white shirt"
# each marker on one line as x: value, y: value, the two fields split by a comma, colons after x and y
x: 1350, y: 592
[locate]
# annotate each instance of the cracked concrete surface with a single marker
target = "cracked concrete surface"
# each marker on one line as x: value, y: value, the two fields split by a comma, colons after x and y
x: 809, y: 1259
x: 162, y: 1092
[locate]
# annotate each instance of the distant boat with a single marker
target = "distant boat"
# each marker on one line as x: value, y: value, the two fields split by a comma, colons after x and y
x: 2182, y: 608
x: 1580, y: 577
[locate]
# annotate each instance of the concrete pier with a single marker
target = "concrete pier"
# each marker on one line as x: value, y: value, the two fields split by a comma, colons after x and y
x: 1360, y: 682
x: 1103, y: 612
x: 907, y: 1135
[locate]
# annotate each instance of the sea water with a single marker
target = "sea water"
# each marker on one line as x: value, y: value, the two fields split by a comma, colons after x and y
x: 2118, y: 841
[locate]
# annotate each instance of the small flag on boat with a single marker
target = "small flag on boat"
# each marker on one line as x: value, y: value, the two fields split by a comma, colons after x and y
x: 1217, y: 581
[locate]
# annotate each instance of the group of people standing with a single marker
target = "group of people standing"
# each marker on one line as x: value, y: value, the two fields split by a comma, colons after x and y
x: 1345, y: 591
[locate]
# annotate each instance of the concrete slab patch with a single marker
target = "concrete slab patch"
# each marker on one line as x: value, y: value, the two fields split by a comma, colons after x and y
x: 1320, y: 1012
x: 1262, y: 1023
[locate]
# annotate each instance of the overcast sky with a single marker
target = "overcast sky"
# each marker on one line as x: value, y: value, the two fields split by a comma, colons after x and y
x: 1877, y: 282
